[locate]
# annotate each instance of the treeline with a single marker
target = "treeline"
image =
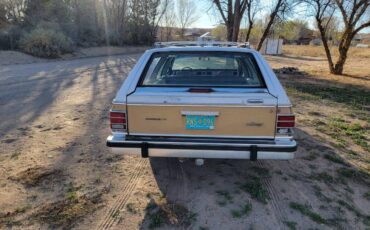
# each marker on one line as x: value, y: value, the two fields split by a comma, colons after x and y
x: 49, y: 28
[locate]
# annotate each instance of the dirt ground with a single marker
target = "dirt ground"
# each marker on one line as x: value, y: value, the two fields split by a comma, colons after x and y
x: 16, y: 57
x: 56, y: 172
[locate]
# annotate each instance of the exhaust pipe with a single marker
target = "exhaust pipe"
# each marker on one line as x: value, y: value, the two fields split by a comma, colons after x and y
x: 199, y: 162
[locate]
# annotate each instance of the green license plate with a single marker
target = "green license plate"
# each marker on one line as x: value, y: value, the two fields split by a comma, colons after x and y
x: 200, y: 122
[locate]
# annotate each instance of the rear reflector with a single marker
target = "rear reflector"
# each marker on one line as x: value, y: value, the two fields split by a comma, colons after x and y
x: 118, y: 121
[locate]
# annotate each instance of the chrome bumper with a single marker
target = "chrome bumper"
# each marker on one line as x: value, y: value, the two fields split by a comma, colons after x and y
x: 276, y: 149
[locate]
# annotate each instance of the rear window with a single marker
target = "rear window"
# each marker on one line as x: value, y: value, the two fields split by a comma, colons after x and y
x: 211, y: 69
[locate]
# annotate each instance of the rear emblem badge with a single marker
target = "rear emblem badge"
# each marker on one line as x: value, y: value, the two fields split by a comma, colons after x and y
x: 254, y: 124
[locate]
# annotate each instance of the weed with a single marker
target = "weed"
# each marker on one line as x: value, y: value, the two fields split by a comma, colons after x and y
x: 169, y: 213
x: 353, y: 174
x: 260, y: 171
x: 71, y: 191
x: 225, y: 194
x: 320, y: 195
x: 22, y: 209
x: 367, y: 195
x: 335, y: 159
x: 244, y: 210
x: 156, y: 220
x: 291, y: 225
x: 279, y: 172
x: 64, y: 213
x: 203, y: 228
x: 314, y: 113
x: 221, y: 203
x: 306, y: 210
x: 256, y: 189
x: 131, y: 208
x: 323, y: 177
x: 310, y: 157
x: 349, y: 207
x: 16, y: 154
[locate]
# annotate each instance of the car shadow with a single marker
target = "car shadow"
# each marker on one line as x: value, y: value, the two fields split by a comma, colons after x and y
x: 216, y: 193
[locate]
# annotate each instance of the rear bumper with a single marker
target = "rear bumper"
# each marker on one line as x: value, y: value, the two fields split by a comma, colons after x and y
x: 277, y: 149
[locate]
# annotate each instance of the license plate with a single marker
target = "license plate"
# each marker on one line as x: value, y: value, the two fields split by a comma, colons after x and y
x: 200, y: 122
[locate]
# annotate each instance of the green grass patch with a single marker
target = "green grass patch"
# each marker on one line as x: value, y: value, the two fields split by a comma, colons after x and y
x: 353, y: 97
x: 323, y: 177
x: 131, y: 208
x: 255, y: 188
x: 307, y: 211
x: 244, y: 210
x: 334, y: 158
x: 16, y: 154
x: 291, y: 225
x: 367, y: 195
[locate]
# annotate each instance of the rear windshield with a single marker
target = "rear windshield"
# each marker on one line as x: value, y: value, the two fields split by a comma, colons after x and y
x: 211, y: 69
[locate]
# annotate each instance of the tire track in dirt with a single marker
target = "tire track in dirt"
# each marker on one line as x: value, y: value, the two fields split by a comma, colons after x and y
x: 274, y: 198
x: 177, y: 187
x: 109, y: 220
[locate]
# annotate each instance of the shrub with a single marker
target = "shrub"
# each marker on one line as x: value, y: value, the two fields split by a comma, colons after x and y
x: 45, y: 42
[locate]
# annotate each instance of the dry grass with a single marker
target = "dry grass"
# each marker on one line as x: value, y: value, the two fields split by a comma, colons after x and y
x: 312, y: 60
x: 336, y: 108
x: 318, y: 51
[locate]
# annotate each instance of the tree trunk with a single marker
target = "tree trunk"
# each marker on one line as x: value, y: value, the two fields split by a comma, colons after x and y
x: 343, y: 50
x: 230, y: 32
x: 325, y: 44
x: 266, y: 31
x: 250, y: 27
x: 236, y: 31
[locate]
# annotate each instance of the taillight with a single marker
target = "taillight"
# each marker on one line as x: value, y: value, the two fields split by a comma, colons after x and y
x: 285, y: 121
x: 118, y: 121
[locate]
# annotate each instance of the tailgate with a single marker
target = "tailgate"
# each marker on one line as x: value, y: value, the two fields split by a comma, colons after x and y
x: 214, y: 114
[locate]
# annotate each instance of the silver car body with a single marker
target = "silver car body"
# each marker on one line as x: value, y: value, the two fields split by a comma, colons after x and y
x: 202, y: 146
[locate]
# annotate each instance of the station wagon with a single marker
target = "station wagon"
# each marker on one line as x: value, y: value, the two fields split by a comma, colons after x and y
x: 210, y: 100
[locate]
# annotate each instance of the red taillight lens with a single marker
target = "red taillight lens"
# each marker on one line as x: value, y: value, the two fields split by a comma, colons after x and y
x: 286, y: 118
x: 285, y: 124
x: 285, y: 121
x: 118, y: 121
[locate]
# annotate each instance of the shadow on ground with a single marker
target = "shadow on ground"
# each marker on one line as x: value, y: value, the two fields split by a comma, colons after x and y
x: 317, y: 189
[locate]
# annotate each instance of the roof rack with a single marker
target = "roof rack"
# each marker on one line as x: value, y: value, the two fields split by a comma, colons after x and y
x: 201, y: 43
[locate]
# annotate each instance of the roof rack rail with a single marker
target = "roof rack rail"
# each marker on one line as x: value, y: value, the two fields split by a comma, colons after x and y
x: 201, y: 43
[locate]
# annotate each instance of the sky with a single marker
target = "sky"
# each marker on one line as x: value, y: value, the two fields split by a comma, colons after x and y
x: 209, y: 17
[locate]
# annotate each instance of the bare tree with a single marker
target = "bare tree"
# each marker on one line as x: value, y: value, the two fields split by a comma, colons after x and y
x: 231, y: 12
x: 251, y: 10
x: 355, y: 17
x: 187, y: 14
x: 323, y: 11
x: 279, y: 10
x: 169, y: 21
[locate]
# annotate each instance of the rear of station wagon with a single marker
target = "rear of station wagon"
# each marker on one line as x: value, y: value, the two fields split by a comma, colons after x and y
x: 202, y: 102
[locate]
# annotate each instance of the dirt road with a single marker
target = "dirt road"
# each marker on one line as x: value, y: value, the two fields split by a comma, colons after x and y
x: 55, y: 171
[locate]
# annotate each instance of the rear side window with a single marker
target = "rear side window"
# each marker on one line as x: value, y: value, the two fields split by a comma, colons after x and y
x: 202, y: 69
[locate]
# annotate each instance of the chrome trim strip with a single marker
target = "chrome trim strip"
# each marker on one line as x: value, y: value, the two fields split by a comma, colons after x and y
x: 192, y: 135
x: 203, y: 113
x: 198, y: 105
